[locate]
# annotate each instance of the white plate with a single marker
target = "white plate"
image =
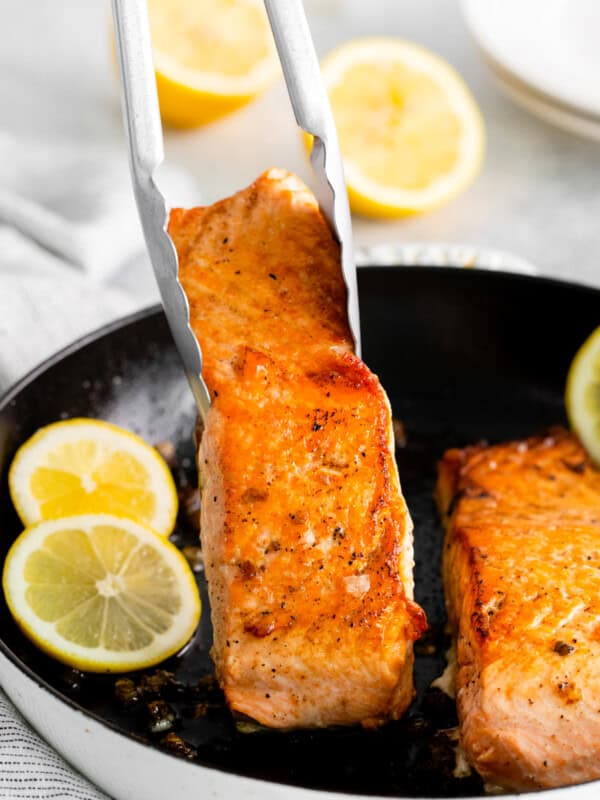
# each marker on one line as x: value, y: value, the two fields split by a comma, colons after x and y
x: 545, y: 108
x: 551, y: 45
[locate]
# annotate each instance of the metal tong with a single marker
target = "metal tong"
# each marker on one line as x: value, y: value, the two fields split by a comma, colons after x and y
x: 145, y: 143
x: 313, y: 114
x: 146, y: 153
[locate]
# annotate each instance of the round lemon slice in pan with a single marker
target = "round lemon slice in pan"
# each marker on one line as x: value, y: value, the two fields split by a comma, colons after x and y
x: 101, y: 593
x: 85, y: 466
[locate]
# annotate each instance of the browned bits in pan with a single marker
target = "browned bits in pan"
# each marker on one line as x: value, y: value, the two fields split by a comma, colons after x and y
x: 399, y: 433
x: 193, y: 555
x: 127, y: 693
x: 156, y: 683
x: 167, y: 450
x: 176, y: 745
x: 189, y: 497
x: 160, y: 716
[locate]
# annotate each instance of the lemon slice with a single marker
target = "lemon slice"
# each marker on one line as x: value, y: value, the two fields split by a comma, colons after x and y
x: 101, y: 593
x: 210, y: 57
x: 410, y: 132
x: 86, y: 466
x: 582, y: 396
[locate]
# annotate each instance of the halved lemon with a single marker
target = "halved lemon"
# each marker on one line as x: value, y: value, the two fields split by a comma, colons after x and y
x: 85, y: 466
x: 582, y: 396
x: 101, y: 593
x: 410, y: 131
x: 210, y: 57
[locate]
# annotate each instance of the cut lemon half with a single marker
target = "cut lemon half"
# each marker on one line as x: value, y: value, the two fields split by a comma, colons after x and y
x: 582, y: 396
x: 210, y: 57
x: 83, y: 466
x: 410, y: 132
x: 100, y: 593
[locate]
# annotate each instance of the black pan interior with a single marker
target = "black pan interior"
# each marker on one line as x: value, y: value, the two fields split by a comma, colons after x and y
x: 464, y: 356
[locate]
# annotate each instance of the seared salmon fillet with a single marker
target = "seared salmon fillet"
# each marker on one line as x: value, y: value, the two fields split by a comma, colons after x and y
x: 522, y: 580
x: 306, y: 536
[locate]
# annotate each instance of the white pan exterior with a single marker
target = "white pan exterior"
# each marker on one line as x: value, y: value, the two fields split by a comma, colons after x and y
x: 129, y: 770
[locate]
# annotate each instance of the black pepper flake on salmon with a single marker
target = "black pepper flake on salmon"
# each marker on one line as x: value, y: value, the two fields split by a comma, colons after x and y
x: 578, y: 467
x: 248, y: 569
x: 563, y: 648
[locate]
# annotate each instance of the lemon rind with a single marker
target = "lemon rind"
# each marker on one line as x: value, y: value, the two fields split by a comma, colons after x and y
x: 581, y: 421
x: 214, y: 84
x: 371, y: 198
x: 103, y: 660
x: 24, y: 463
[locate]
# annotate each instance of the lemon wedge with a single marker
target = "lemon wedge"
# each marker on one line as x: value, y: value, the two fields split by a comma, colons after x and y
x: 410, y: 132
x: 100, y: 593
x: 582, y: 396
x: 210, y: 57
x: 85, y: 466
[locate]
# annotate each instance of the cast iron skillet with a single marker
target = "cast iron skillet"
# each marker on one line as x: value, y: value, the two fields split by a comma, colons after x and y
x: 464, y: 356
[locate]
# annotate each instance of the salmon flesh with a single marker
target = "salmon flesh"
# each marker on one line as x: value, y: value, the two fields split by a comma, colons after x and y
x: 522, y: 580
x: 306, y: 536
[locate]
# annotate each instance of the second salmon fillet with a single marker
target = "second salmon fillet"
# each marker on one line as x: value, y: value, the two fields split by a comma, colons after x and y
x: 522, y: 580
x: 306, y: 536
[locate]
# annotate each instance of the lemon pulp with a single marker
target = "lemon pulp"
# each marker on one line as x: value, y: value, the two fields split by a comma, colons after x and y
x: 87, y: 466
x: 410, y: 132
x: 385, y: 113
x: 101, y: 593
x: 225, y: 38
x: 210, y: 57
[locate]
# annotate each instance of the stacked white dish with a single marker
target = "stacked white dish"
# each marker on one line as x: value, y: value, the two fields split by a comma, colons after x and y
x: 546, y: 56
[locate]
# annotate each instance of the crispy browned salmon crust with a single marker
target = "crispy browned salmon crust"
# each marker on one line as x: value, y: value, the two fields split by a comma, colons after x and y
x: 522, y: 581
x: 307, y: 539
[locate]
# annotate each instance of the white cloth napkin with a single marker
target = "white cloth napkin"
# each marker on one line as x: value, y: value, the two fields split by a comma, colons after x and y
x: 30, y: 769
x: 77, y: 201
x: 45, y: 304
x: 72, y: 256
